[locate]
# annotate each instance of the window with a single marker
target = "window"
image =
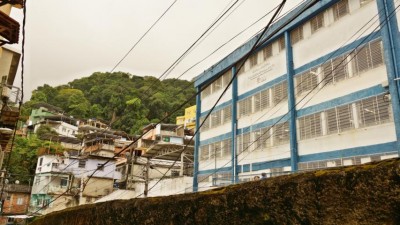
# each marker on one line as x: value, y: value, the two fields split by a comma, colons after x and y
x: 296, y: 35
x: 373, y: 111
x: 317, y: 22
x: 227, y: 113
x: 368, y: 57
x: 246, y: 142
x: 3, y: 79
x: 82, y: 163
x: 281, y: 42
x: 204, y: 152
x: 215, y: 118
x: 64, y: 182
x: 20, y: 201
x: 279, y: 92
x: 340, y: 119
x: 54, y: 165
x: 306, y: 81
x: 340, y: 9
x: 226, y: 147
x: 267, y: 51
x: 281, y: 133
x: 257, y: 138
x: 217, y: 85
x: 253, y: 60
x: 335, y: 70
x: 204, y: 126
x: 310, y: 126
x: 206, y: 92
x: 245, y: 106
x: 100, y: 166
x: 264, y: 98
x: 257, y: 102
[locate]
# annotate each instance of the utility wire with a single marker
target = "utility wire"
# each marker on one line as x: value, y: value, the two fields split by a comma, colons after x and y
x: 140, y: 39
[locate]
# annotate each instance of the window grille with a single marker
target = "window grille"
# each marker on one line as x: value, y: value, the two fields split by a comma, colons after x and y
x: 317, y: 22
x: 204, y: 152
x: 227, y: 113
x: 310, y: 126
x: 368, y: 57
x: 239, y: 144
x: 253, y: 60
x: 267, y: 51
x: 257, y: 138
x: 226, y: 146
x: 206, y: 124
x: 246, y: 142
x: 335, y: 70
x: 217, y: 85
x: 340, y: 119
x: 215, y: 118
x: 296, y: 35
x: 373, y: 111
x: 264, y: 98
x: 306, y: 81
x: 339, y: 67
x: 340, y: 9
x: 281, y: 133
x: 257, y: 102
x: 266, y: 137
x: 245, y: 106
x: 215, y: 150
x: 281, y: 42
x: 203, y: 178
x: 279, y: 92
x: 206, y: 92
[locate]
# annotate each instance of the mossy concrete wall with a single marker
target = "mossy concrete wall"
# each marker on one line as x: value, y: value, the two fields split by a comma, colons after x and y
x: 366, y: 194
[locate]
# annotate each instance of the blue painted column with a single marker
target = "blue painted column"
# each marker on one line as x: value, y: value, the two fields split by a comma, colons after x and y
x: 389, y: 31
x: 197, y: 142
x: 234, y: 127
x: 294, y: 156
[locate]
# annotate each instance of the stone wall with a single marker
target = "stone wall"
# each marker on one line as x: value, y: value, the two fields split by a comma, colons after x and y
x: 366, y: 194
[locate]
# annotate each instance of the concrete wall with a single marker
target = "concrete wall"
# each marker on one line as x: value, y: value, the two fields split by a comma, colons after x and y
x: 352, y: 195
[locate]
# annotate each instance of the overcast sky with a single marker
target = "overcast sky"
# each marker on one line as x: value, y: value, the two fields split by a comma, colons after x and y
x: 66, y: 40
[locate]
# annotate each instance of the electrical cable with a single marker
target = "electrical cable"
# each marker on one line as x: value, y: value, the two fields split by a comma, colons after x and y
x: 140, y: 39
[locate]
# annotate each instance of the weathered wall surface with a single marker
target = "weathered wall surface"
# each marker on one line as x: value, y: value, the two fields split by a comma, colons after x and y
x: 367, y: 194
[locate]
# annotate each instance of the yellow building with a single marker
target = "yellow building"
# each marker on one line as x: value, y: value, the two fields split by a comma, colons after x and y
x: 189, y: 119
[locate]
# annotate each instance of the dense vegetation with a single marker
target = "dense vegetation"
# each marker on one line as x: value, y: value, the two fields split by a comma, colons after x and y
x: 127, y: 102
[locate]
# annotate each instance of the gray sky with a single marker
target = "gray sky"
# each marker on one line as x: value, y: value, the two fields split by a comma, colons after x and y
x: 66, y: 40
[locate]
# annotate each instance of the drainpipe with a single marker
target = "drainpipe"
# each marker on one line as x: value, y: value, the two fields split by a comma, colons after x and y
x: 294, y: 156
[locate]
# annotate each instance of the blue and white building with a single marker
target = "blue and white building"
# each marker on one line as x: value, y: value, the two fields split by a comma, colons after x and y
x: 322, y: 91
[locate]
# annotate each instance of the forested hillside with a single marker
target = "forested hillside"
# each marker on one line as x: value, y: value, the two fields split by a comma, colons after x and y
x: 125, y: 101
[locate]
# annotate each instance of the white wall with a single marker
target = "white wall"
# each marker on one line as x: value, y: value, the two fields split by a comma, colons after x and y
x: 323, y: 41
x: 263, y: 72
x: 348, y: 139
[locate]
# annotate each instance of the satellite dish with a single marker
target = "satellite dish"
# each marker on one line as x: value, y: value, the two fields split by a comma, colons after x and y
x: 6, y: 181
x: 65, y: 153
x: 17, y: 182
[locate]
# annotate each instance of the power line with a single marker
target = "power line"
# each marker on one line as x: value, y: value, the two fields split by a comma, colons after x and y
x: 140, y: 39
x: 165, y: 116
